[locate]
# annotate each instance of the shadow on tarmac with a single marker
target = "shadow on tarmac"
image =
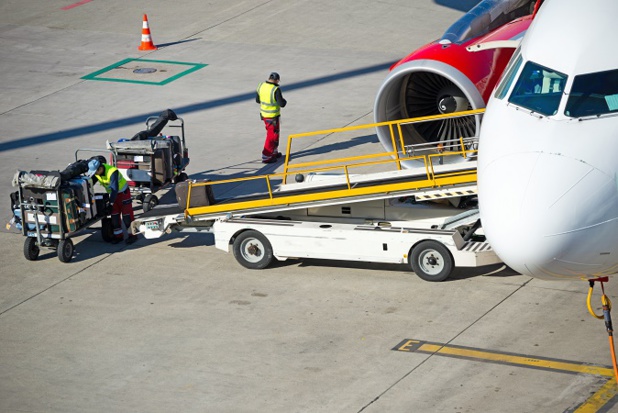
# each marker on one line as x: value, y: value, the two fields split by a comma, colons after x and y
x: 259, y: 186
x: 461, y: 5
x: 159, y: 46
x: 87, y: 244
x: 132, y: 120
x: 336, y: 146
x: 462, y: 273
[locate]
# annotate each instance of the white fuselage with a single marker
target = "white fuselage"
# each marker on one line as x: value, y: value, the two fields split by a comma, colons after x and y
x: 548, y: 149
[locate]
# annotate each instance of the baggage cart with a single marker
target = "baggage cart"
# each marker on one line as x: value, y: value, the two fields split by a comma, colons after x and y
x: 52, y: 211
x: 151, y: 163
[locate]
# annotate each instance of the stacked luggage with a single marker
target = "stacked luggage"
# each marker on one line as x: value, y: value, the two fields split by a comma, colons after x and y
x: 150, y: 160
x: 50, y: 207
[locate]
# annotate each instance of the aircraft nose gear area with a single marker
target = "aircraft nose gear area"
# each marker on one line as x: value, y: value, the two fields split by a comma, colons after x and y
x: 607, y: 316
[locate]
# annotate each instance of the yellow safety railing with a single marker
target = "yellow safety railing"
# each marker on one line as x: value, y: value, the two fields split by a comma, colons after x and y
x: 399, y: 152
x: 344, y: 165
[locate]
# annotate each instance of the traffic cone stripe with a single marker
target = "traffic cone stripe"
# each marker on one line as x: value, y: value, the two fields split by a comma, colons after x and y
x: 147, y: 43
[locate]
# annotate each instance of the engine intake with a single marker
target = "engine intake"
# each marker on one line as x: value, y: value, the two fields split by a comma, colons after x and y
x: 423, y: 88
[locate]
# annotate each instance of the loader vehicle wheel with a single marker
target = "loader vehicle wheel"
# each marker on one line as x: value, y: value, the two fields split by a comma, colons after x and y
x: 431, y: 261
x: 31, y: 250
x: 150, y: 201
x: 65, y: 250
x: 253, y: 250
x: 107, y: 231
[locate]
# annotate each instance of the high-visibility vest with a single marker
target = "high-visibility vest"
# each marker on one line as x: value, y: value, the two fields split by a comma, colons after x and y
x: 269, y: 108
x: 105, y: 180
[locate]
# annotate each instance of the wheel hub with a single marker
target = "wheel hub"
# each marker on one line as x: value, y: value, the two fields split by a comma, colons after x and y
x: 253, y: 249
x: 432, y: 260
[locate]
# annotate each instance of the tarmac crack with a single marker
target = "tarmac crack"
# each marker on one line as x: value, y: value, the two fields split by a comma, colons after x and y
x: 389, y: 388
x: 82, y: 80
x: 54, y: 285
x: 230, y: 19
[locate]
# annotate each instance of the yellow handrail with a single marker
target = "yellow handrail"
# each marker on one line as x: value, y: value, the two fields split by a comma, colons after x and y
x: 432, y: 179
x: 399, y: 122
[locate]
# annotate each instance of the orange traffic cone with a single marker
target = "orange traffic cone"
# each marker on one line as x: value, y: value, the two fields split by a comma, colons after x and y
x: 146, y: 39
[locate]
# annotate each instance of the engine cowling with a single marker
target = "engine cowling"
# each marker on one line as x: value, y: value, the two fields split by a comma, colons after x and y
x: 444, y: 77
x: 438, y: 79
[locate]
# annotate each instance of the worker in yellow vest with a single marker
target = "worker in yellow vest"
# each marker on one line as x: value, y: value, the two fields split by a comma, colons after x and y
x: 270, y: 98
x: 119, y: 197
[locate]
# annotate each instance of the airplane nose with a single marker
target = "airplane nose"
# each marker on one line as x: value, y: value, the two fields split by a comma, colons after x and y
x: 537, y: 208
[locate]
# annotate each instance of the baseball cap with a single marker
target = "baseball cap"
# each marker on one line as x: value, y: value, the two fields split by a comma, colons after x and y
x: 93, y: 165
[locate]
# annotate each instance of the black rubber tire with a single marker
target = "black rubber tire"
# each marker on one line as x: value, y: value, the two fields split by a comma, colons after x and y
x: 107, y: 231
x: 431, y: 261
x: 150, y: 201
x: 31, y: 249
x: 65, y: 250
x: 253, y: 250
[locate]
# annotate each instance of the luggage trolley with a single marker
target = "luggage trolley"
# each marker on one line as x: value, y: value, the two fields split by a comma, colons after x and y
x: 151, y: 163
x: 52, y: 211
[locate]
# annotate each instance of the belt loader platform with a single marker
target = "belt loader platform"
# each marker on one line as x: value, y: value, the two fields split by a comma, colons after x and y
x: 333, y: 213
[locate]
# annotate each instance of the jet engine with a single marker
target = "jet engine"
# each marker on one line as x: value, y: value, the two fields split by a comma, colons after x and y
x: 444, y: 77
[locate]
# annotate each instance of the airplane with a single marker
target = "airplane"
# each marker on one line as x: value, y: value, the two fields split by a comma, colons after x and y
x: 444, y: 77
x: 547, y: 167
x: 548, y: 197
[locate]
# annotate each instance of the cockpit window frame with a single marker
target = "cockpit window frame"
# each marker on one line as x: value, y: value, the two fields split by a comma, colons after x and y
x: 507, y: 80
x: 593, y: 94
x: 538, y: 89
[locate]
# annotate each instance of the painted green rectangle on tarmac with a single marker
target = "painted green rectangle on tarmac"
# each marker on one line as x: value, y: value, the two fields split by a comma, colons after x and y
x: 144, y: 71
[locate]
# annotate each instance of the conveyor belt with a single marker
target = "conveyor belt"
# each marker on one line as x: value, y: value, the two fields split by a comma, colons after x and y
x: 331, y: 181
x: 401, y: 183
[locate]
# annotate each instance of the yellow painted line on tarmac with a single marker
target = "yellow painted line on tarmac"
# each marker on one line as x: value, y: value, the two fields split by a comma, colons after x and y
x: 597, y: 401
x: 503, y: 358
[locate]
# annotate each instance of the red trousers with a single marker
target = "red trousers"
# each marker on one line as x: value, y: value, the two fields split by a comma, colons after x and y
x: 272, y: 138
x: 122, y: 205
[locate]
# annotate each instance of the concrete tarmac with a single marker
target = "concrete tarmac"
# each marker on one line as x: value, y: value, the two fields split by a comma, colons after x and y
x: 177, y: 325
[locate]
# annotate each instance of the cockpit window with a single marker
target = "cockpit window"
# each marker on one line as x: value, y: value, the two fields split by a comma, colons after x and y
x: 538, y: 89
x: 593, y: 94
x: 505, y: 83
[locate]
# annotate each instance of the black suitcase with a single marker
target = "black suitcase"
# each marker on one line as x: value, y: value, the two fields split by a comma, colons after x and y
x: 101, y: 200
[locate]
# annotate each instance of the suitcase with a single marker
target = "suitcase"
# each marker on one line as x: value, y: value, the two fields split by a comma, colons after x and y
x: 200, y: 195
x: 100, y: 201
x: 84, y: 196
x: 73, y: 218
x: 162, y: 171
